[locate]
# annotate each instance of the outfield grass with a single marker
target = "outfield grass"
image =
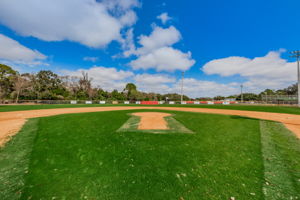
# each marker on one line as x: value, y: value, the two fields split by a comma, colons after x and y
x: 81, y: 156
x: 275, y: 109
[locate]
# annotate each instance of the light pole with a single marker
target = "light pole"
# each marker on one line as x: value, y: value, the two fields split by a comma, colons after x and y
x: 182, y: 77
x: 242, y: 96
x: 296, y: 54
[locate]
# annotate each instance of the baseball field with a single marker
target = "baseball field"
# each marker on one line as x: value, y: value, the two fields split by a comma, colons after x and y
x: 117, y: 152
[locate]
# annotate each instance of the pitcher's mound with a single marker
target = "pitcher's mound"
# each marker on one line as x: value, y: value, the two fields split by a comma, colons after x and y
x: 153, y: 122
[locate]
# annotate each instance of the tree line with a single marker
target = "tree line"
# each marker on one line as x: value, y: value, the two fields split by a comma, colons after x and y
x: 47, y: 85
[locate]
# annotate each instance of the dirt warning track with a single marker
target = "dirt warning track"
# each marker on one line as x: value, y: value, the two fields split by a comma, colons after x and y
x: 12, y: 122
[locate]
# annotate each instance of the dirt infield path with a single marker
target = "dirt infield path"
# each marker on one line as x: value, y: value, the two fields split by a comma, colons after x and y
x: 12, y: 122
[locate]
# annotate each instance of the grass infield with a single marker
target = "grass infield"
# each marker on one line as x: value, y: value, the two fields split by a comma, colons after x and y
x: 82, y: 156
x: 276, y: 109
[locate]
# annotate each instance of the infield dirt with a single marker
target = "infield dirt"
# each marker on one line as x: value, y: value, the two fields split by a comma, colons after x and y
x: 12, y: 122
x: 152, y: 120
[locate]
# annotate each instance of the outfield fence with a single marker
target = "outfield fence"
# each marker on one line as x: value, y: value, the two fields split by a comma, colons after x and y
x: 113, y: 102
x: 266, y: 99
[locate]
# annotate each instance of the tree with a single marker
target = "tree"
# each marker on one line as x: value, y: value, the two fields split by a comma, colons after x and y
x: 102, y: 95
x: 131, y: 91
x: 248, y: 97
x: 48, y: 85
x: 85, y: 89
x: 117, y: 95
x: 20, y: 83
x: 268, y: 92
x: 7, y: 75
x: 219, y: 98
x: 231, y: 97
x: 291, y: 90
x: 130, y: 87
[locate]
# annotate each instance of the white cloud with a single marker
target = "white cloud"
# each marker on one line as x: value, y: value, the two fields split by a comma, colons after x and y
x: 156, y: 51
x: 89, y: 22
x: 270, y: 71
x: 106, y: 78
x: 13, y: 51
x: 198, y: 88
x: 164, y: 59
x: 128, y: 19
x: 90, y: 58
x: 128, y: 43
x: 159, y: 37
x: 153, y: 82
x: 152, y: 79
x: 164, y: 17
x: 117, y: 5
x: 163, y: 84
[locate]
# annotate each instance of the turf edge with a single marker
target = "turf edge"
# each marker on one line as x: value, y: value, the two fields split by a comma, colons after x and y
x: 14, y: 161
x: 280, y: 150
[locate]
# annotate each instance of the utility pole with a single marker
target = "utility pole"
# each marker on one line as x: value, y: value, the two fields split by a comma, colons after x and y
x: 242, y: 96
x: 296, y: 54
x: 182, y: 77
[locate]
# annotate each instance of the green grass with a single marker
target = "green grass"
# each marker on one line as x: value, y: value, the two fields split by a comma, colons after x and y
x: 281, y: 153
x: 14, y: 161
x: 81, y: 156
x: 276, y: 109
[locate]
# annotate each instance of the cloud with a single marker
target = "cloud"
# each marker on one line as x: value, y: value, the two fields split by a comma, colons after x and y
x: 164, y: 59
x: 192, y: 87
x: 91, y: 59
x: 159, y: 37
x: 13, y: 51
x: 151, y: 79
x: 163, y: 84
x: 156, y: 51
x: 164, y: 17
x: 269, y: 71
x: 128, y: 43
x: 197, y: 88
x: 89, y: 22
x: 117, y: 5
x: 153, y: 82
x: 106, y: 78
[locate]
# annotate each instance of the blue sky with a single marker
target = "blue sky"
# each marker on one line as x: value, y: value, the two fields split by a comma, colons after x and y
x: 219, y: 44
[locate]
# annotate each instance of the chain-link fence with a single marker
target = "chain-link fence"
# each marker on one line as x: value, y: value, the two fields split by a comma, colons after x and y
x: 279, y: 99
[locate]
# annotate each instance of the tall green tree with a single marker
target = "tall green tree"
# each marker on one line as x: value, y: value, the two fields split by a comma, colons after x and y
x: 291, y: 90
x: 48, y: 85
x: 131, y: 91
x: 117, y: 95
x: 249, y: 97
x: 7, y: 75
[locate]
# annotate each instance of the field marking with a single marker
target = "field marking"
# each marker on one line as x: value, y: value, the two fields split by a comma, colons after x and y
x: 12, y: 122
